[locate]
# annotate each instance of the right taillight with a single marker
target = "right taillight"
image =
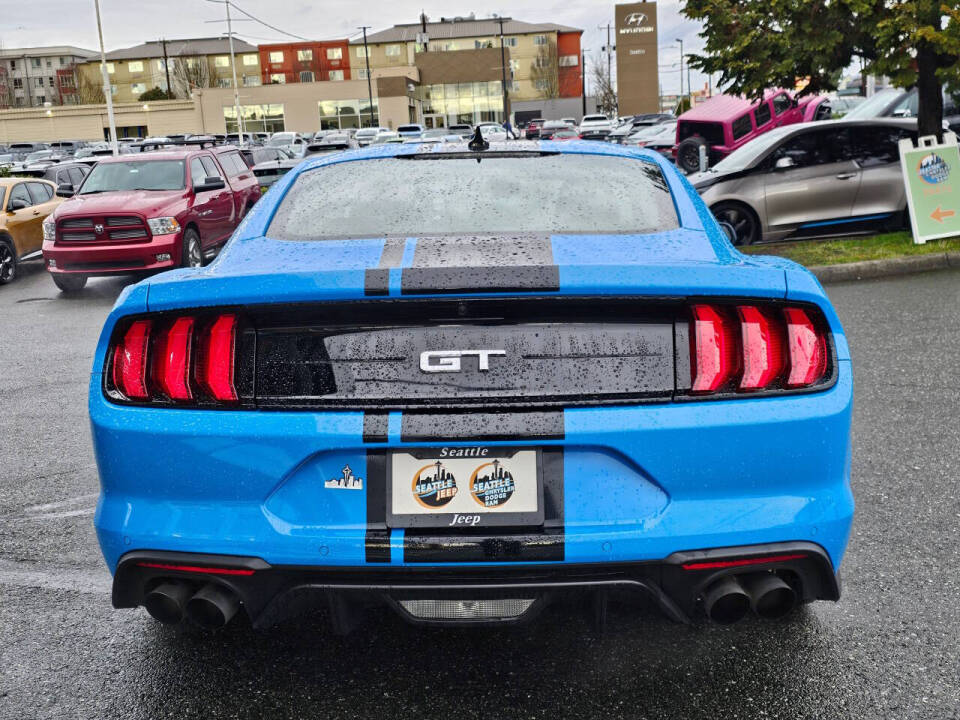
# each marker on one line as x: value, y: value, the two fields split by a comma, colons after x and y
x: 752, y: 347
x: 184, y: 360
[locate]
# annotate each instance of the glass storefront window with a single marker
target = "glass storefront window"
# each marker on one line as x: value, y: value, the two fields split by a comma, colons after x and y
x: 256, y: 118
x: 463, y: 102
x: 342, y: 114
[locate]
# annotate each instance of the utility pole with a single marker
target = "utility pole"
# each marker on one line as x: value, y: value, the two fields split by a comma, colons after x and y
x: 366, y: 55
x: 233, y: 67
x: 583, y: 80
x: 609, y: 55
x: 503, y: 72
x: 423, y: 31
x: 681, y: 68
x: 166, y: 67
x: 107, y: 90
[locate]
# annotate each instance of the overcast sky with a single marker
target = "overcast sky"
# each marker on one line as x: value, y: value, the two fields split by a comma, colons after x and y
x: 129, y: 22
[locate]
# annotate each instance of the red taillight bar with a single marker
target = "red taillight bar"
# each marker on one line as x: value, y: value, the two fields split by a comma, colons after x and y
x: 182, y: 359
x: 720, y: 564
x: 749, y: 348
x: 196, y: 569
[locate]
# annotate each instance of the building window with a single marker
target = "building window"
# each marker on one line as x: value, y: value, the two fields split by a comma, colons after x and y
x: 478, y: 44
x: 18, y: 83
x: 361, y: 73
x: 221, y: 61
x: 334, y: 53
x: 256, y: 118
x: 341, y: 114
x: 278, y: 78
x: 64, y: 61
x: 135, y: 66
x: 250, y: 60
x: 363, y: 52
x: 542, y: 85
x: 36, y: 62
x: 160, y: 65
x: 569, y: 60
x: 276, y: 56
x: 514, y: 65
x: 251, y: 80
x: 394, y: 51
x: 335, y: 74
x: 541, y: 62
x: 224, y: 82
x: 13, y: 64
x: 306, y: 76
x: 446, y: 47
x: 113, y: 89
x: 41, y: 99
x: 513, y: 86
x: 305, y: 55
x: 138, y: 88
x: 539, y: 39
x: 110, y: 68
x: 38, y: 82
x: 509, y: 42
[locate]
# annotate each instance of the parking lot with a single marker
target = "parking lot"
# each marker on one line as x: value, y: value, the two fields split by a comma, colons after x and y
x: 890, y: 648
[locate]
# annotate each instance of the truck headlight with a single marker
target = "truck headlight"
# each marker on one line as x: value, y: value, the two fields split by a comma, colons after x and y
x: 163, y: 225
x: 49, y: 229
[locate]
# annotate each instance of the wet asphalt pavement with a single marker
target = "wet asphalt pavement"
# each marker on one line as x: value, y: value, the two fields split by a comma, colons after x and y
x: 889, y: 649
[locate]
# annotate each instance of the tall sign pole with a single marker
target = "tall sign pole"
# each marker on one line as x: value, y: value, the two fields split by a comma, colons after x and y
x: 366, y: 55
x: 107, y: 90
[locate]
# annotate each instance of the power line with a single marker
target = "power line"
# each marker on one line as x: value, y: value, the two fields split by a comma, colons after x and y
x: 266, y: 24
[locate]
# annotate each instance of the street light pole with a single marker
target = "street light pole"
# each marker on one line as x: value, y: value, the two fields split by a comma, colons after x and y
x: 583, y: 81
x: 233, y: 67
x: 503, y: 72
x: 107, y: 90
x: 366, y: 55
x: 681, y: 68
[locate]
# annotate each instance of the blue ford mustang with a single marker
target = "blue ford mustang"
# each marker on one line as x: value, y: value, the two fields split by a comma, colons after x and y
x: 464, y: 382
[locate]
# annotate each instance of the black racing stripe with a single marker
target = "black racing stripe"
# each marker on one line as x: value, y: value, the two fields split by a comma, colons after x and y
x: 546, y: 544
x: 437, y: 281
x: 498, y: 263
x: 376, y: 280
x: 375, y: 425
x: 377, y: 540
x: 431, y: 427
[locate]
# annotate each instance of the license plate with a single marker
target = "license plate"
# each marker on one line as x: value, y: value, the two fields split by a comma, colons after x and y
x: 464, y: 487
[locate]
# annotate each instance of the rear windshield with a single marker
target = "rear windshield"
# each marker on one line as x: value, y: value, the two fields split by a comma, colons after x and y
x: 135, y: 175
x: 431, y: 194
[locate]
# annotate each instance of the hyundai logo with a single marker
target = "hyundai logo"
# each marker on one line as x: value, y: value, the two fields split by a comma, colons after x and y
x: 434, y: 361
x: 636, y: 18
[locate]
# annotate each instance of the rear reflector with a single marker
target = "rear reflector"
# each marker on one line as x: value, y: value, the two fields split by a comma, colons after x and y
x: 720, y: 564
x: 756, y: 348
x: 130, y: 361
x: 196, y: 569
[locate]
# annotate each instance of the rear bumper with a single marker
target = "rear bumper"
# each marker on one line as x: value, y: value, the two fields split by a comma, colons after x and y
x: 272, y: 593
x: 113, y: 258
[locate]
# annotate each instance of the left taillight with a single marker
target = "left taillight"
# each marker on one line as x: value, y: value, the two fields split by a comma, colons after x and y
x: 183, y: 360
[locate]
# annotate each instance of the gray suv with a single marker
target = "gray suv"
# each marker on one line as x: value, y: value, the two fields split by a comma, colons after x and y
x: 820, y: 179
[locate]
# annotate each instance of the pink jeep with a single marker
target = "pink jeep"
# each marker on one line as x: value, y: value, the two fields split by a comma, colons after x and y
x: 724, y: 123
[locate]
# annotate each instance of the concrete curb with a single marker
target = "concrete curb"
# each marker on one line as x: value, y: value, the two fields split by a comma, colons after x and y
x: 884, y: 268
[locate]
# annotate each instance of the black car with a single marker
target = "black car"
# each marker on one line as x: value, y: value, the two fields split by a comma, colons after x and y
x: 20, y: 150
x: 67, y: 147
x: 635, y: 123
x: 65, y: 173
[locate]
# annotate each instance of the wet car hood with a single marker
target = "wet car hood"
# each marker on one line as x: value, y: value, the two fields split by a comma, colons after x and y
x: 149, y: 203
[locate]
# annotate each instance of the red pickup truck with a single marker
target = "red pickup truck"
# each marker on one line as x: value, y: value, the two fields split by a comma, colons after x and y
x: 147, y: 212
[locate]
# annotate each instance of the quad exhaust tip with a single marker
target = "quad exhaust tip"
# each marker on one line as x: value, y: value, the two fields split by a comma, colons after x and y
x: 726, y: 602
x: 165, y: 602
x: 770, y: 597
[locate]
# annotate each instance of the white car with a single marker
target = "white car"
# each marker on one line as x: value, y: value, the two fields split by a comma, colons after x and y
x: 493, y: 133
x: 595, y: 123
x: 365, y: 136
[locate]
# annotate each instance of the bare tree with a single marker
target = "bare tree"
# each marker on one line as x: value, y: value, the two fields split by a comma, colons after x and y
x: 187, y: 73
x: 603, y: 90
x: 88, y: 91
x: 544, y: 71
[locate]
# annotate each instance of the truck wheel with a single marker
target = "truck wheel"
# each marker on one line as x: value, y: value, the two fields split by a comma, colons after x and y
x: 69, y: 283
x: 688, y: 153
x: 192, y: 255
x: 8, y: 262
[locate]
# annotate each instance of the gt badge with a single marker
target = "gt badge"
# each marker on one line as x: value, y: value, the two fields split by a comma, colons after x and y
x: 434, y: 486
x: 491, y: 484
x: 348, y: 481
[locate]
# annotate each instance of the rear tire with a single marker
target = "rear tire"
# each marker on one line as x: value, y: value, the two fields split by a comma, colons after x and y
x: 69, y: 283
x: 688, y: 153
x: 8, y: 262
x: 192, y: 254
x: 744, y: 222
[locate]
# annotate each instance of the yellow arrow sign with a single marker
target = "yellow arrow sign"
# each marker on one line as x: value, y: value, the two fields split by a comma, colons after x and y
x: 939, y: 214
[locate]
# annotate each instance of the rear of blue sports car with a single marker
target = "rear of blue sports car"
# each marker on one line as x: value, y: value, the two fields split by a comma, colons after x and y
x: 464, y: 383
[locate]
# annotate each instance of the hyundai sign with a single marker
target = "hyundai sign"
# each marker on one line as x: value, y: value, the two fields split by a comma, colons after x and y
x: 637, y: 75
